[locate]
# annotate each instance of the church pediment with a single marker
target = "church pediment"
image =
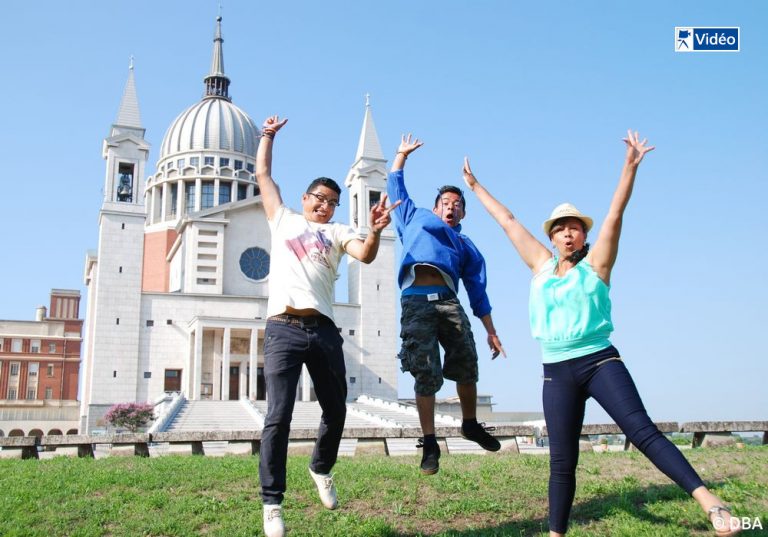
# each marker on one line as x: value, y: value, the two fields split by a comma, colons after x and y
x: 121, y: 139
x: 229, y: 209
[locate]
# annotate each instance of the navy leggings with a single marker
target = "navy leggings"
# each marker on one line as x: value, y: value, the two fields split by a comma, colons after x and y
x: 602, y: 375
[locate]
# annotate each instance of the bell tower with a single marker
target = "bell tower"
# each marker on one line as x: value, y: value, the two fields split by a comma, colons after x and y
x: 372, y: 286
x: 113, y: 273
x: 126, y: 151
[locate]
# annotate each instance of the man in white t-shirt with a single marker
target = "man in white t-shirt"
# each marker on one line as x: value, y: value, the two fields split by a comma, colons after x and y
x: 306, y: 250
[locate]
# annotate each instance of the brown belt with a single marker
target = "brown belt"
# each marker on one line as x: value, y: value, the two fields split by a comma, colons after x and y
x: 308, y: 321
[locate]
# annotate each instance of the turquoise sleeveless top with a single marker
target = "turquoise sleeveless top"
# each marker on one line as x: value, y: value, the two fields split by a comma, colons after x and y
x: 570, y: 316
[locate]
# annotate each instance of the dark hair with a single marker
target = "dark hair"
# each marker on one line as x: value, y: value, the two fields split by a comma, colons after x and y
x: 578, y: 255
x: 326, y: 182
x: 454, y: 190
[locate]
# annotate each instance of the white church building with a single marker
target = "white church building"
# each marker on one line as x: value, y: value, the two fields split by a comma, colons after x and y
x: 177, y: 289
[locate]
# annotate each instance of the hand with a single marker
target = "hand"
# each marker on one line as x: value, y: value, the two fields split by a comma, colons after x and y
x: 407, y: 146
x: 495, y: 344
x: 469, y: 177
x: 379, y: 217
x: 273, y: 124
x: 636, y: 149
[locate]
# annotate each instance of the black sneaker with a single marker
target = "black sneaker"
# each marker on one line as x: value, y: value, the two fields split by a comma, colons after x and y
x: 430, y: 460
x: 478, y: 432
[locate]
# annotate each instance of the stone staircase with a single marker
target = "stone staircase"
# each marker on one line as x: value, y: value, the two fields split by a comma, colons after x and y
x: 213, y: 416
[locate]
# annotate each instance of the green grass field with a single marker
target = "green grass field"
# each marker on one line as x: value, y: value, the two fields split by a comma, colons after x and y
x: 618, y: 494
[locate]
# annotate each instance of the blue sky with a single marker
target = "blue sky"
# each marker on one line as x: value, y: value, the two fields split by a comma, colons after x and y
x: 537, y: 94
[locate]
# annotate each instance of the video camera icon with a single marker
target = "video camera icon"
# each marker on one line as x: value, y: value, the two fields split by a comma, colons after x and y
x: 683, y: 39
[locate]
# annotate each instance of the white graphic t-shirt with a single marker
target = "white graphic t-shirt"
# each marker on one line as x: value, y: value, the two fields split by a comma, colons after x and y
x: 305, y: 258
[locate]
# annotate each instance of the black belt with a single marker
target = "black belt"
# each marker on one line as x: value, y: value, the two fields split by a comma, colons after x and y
x: 431, y: 297
x: 308, y: 321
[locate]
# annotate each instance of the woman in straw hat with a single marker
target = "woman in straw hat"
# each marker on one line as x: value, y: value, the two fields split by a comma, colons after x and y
x: 570, y: 314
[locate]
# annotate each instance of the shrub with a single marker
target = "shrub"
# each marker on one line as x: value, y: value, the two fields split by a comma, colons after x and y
x: 129, y: 415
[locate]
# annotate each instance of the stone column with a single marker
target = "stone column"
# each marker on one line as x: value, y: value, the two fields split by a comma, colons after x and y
x: 164, y: 203
x: 225, y: 363
x: 180, y: 196
x: 152, y: 195
x: 198, y: 362
x: 243, y: 387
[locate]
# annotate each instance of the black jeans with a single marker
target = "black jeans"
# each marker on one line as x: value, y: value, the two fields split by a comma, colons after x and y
x: 286, y: 348
x: 602, y: 375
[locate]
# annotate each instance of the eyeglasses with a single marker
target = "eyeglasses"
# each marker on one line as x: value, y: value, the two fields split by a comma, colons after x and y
x: 324, y: 200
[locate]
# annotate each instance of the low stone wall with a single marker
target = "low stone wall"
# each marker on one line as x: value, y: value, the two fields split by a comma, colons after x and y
x: 384, y: 440
x: 29, y: 446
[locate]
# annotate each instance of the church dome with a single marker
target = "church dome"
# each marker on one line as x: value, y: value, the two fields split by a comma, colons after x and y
x: 213, y: 124
x: 208, y: 154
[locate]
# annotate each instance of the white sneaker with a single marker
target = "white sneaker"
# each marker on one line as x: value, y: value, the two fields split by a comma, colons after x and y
x: 273, y: 521
x: 326, y: 489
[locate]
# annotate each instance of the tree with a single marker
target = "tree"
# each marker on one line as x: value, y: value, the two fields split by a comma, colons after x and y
x: 130, y: 415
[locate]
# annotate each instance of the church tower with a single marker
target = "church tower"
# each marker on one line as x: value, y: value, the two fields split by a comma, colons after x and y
x: 372, y: 286
x: 113, y: 273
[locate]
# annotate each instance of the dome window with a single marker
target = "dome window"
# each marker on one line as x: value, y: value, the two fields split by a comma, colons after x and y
x: 174, y: 199
x: 238, y: 164
x: 225, y: 193
x: 194, y: 161
x: 249, y: 167
x: 206, y: 196
x: 180, y: 163
x: 189, y: 198
x: 208, y: 161
x: 223, y: 162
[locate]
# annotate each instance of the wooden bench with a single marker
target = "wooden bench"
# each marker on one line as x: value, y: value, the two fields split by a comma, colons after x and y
x: 718, y: 433
x: 585, y: 444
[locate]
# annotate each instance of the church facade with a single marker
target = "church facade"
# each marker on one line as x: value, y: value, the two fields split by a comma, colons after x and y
x: 177, y: 289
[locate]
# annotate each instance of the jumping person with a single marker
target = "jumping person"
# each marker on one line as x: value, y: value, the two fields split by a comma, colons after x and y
x: 306, y: 250
x: 435, y: 256
x: 570, y: 315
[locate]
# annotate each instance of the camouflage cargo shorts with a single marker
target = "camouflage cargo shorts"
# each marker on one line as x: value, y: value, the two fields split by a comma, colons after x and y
x: 424, y: 327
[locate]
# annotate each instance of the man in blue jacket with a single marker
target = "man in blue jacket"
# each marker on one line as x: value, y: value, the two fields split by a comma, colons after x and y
x: 435, y: 256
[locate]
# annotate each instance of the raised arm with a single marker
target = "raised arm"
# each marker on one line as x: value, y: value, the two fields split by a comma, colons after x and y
x: 270, y: 192
x: 396, y: 183
x: 406, y: 147
x: 603, y: 255
x: 532, y: 252
x: 378, y: 219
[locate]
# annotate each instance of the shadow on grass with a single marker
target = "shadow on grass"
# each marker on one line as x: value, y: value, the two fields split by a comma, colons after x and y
x: 630, y: 502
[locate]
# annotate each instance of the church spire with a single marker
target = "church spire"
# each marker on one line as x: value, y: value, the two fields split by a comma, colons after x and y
x: 368, y: 147
x: 128, y: 115
x: 217, y: 83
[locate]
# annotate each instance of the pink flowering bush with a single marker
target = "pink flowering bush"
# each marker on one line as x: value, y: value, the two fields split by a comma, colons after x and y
x: 131, y: 416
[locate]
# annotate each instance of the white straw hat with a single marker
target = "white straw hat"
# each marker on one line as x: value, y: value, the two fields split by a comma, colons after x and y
x: 565, y: 210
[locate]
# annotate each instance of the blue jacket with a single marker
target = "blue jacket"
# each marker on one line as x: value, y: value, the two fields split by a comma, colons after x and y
x: 427, y: 239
